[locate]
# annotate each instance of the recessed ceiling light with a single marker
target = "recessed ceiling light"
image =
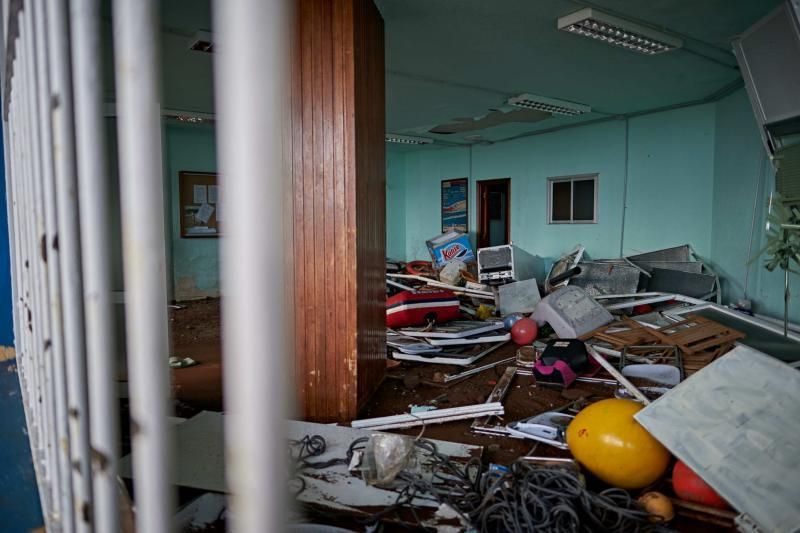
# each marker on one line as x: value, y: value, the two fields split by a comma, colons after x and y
x: 616, y: 31
x: 202, y: 41
x: 548, y: 105
x: 406, y: 139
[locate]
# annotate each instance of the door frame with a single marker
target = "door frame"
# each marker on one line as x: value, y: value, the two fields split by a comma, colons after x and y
x: 482, y: 234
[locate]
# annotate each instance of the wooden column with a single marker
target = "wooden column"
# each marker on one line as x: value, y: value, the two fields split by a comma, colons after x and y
x: 339, y: 207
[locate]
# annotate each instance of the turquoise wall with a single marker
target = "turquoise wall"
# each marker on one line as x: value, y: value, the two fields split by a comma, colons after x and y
x: 670, y: 180
x: 195, y: 262
x: 668, y: 170
x: 692, y: 176
x: 395, y: 205
x: 740, y: 164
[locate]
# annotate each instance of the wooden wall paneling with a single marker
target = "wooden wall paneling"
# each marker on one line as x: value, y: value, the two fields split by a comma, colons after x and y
x: 370, y: 153
x: 338, y: 206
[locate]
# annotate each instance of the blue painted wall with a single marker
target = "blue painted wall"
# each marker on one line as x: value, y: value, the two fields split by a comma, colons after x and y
x: 692, y: 176
x: 195, y: 262
x: 6, y: 319
x: 20, y: 508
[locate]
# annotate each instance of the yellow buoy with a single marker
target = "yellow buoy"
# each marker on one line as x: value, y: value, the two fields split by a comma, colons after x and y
x: 606, y: 439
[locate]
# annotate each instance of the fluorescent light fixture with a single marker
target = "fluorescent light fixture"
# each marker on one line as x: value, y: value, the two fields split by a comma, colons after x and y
x: 615, y: 31
x: 406, y: 139
x: 548, y: 105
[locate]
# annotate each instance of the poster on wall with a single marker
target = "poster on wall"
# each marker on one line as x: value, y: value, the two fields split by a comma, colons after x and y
x: 454, y: 205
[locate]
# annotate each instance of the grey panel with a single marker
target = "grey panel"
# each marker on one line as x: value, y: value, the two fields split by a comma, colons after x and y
x: 599, y: 278
x: 769, y: 56
x: 686, y: 283
x: 695, y: 267
x: 677, y: 253
x: 740, y: 440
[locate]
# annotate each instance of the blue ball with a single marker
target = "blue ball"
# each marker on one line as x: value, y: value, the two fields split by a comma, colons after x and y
x: 510, y: 320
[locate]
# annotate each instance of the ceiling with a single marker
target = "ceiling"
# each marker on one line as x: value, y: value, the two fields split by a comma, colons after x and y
x: 449, y: 59
x: 460, y: 59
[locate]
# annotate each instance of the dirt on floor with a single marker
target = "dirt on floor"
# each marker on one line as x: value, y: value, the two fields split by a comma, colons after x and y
x: 195, y: 333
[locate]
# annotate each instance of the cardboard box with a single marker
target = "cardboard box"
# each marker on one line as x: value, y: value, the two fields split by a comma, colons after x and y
x: 448, y: 246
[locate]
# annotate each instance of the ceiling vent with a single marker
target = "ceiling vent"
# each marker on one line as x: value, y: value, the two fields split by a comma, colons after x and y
x: 406, y: 139
x: 548, y: 105
x: 616, y: 31
x: 202, y: 42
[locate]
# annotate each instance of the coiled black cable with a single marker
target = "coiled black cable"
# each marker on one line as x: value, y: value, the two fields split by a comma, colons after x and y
x: 526, y: 498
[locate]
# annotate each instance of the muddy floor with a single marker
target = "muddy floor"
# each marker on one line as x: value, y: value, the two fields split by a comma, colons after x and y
x: 195, y: 333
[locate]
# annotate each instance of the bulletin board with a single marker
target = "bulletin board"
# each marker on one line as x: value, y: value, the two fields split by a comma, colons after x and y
x: 200, y: 207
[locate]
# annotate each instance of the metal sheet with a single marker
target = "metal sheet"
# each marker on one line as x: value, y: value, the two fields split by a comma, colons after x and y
x: 741, y: 441
x: 518, y: 297
x: 695, y: 267
x: 598, y: 278
x: 694, y: 285
x: 677, y: 253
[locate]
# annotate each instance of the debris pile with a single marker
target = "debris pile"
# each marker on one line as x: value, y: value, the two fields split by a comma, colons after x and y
x: 637, y: 329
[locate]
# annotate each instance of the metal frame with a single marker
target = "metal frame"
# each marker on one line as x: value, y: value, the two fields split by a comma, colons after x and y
x: 577, y: 177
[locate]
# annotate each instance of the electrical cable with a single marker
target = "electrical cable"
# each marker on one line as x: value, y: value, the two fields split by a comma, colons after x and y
x: 527, y: 497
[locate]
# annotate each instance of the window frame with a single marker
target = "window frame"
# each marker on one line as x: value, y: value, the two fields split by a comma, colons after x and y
x: 595, y: 177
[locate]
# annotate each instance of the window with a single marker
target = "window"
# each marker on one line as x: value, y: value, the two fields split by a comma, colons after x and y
x: 572, y: 200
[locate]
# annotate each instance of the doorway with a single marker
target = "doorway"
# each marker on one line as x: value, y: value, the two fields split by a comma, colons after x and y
x: 494, y: 213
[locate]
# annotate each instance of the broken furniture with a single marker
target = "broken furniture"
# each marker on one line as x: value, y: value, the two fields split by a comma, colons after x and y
x: 736, y: 436
x: 565, y: 263
x: 699, y: 339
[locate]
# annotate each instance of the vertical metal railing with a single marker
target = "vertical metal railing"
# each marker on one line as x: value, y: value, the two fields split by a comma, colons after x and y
x: 250, y: 75
x: 66, y: 243
x: 95, y: 221
x: 57, y: 182
x: 136, y: 39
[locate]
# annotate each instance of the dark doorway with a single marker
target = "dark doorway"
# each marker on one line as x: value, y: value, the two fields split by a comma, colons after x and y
x: 494, y: 213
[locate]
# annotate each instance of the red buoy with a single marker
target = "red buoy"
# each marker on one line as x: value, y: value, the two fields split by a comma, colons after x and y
x: 690, y: 487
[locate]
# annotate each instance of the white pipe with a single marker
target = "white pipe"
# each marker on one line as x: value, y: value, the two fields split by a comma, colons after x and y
x: 251, y: 75
x: 50, y: 259
x: 137, y: 67
x: 95, y: 221
x: 68, y: 251
x: 39, y: 284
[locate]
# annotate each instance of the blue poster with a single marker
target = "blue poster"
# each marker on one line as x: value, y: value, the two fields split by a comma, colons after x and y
x: 454, y: 205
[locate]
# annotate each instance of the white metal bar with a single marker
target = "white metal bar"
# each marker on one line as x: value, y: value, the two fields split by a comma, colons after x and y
x: 436, y: 416
x: 608, y: 367
x: 51, y: 336
x: 137, y: 64
x: 95, y: 221
x: 68, y: 249
x: 38, y: 279
x: 250, y: 79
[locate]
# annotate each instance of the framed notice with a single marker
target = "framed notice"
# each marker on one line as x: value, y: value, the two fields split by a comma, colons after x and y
x: 454, y: 205
x: 200, y: 208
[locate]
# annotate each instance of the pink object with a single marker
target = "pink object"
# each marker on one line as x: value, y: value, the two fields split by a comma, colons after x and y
x: 524, y: 331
